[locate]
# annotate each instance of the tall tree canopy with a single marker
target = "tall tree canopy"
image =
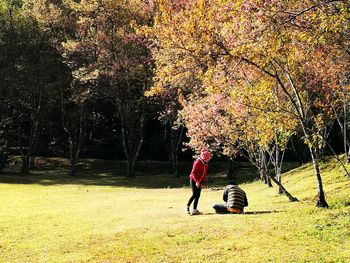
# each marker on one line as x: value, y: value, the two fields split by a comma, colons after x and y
x: 295, y: 52
x: 106, y: 48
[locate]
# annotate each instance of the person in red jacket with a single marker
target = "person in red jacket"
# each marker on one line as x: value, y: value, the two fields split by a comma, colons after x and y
x: 197, y: 180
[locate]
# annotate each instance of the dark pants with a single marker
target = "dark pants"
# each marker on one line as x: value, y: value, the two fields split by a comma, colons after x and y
x: 196, y: 193
x: 220, y: 209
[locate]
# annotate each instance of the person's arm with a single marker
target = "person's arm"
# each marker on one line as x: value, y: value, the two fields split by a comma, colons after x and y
x: 225, y: 195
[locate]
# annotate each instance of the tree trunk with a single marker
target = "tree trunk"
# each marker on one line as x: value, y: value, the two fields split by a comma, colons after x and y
x: 261, y: 174
x: 176, y: 141
x: 338, y: 159
x: 74, y: 125
x: 264, y: 169
x: 32, y: 162
x: 74, y: 150
x: 173, y: 153
x: 342, y: 122
x: 34, y: 125
x: 265, y: 174
x: 130, y: 168
x: 321, y: 200
x: 132, y: 154
x: 132, y: 141
x: 172, y: 140
x: 267, y: 178
x: 72, y: 166
x: 25, y: 163
x: 278, y: 177
x: 276, y: 158
x: 32, y: 139
x: 259, y: 165
x: 285, y: 192
x: 175, y: 164
x: 72, y: 160
x: 344, y: 129
x: 278, y: 167
x: 79, y: 136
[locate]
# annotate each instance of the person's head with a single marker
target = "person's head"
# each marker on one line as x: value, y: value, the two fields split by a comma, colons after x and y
x: 232, y: 183
x: 205, y: 155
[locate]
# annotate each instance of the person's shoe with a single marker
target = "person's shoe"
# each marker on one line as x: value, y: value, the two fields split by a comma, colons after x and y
x: 195, y: 212
x: 187, y: 210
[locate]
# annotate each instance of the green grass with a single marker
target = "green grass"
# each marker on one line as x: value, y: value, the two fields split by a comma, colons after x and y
x: 101, y: 216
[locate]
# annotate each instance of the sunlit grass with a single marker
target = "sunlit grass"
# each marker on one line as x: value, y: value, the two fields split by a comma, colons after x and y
x: 50, y: 217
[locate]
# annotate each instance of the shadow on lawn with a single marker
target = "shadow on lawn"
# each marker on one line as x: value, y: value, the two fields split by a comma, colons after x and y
x: 106, y: 179
x: 247, y: 213
x: 149, y: 174
x: 260, y: 212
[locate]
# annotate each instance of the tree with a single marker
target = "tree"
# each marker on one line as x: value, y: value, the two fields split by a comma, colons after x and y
x: 173, y: 128
x: 74, y: 121
x: 31, y: 67
x: 286, y: 49
x: 219, y: 123
x: 106, y: 44
x: 293, y: 58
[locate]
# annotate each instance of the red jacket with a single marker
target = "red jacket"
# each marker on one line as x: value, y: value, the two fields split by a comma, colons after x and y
x: 199, y: 171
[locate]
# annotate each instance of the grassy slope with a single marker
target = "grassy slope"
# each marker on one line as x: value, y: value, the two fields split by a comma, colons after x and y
x: 49, y: 217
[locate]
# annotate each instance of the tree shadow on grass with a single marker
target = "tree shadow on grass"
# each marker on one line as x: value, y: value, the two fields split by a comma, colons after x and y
x: 247, y: 213
x: 260, y: 212
x: 95, y: 173
x: 93, y: 179
x: 149, y: 174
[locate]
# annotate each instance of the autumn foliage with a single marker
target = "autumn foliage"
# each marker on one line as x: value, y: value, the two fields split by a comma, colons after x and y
x: 252, y: 73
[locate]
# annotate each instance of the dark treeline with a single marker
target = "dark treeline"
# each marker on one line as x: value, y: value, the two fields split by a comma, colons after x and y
x: 73, y: 77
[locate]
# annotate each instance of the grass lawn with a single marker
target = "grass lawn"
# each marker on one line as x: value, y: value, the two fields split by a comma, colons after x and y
x: 101, y: 216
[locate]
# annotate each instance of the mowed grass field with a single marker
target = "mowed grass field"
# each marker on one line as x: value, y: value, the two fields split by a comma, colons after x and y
x: 101, y: 216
